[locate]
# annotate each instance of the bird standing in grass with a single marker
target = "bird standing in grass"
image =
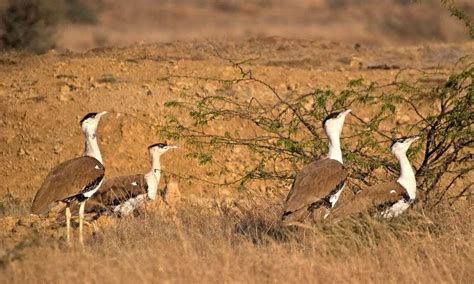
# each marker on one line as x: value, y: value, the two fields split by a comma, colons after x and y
x: 74, y: 180
x: 389, y: 199
x: 320, y: 183
x: 124, y: 194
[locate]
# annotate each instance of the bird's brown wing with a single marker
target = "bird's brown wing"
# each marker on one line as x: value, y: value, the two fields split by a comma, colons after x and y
x: 383, y: 194
x: 315, y: 182
x: 115, y: 191
x: 66, y: 180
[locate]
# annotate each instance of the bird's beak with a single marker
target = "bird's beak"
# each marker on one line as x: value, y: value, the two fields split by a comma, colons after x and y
x: 172, y: 146
x: 346, y: 112
x: 413, y: 139
x: 102, y: 113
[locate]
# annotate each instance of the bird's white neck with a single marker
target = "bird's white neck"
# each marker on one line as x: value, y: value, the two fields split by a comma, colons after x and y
x: 91, y: 146
x: 335, y: 152
x: 153, y: 177
x: 407, y: 176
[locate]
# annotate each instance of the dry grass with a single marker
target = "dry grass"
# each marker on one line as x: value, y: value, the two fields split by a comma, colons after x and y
x: 226, y: 244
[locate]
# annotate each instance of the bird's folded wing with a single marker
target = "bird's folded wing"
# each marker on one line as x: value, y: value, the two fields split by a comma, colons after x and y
x: 315, y: 181
x: 117, y: 190
x: 382, y: 194
x: 66, y: 180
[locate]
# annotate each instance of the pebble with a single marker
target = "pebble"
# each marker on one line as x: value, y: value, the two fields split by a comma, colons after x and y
x: 62, y: 98
x: 65, y: 89
x: 57, y: 149
x: 403, y: 119
x: 356, y: 62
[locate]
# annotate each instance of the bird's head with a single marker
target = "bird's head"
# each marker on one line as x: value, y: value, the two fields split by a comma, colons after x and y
x: 334, y: 122
x: 90, y: 122
x: 400, y: 146
x: 159, y: 149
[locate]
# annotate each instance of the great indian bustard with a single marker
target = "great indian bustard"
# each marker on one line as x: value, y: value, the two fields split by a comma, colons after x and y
x: 320, y: 183
x: 389, y: 198
x: 74, y: 180
x: 124, y: 194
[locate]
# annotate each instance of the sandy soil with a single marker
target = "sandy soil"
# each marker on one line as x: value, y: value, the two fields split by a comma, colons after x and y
x: 42, y: 98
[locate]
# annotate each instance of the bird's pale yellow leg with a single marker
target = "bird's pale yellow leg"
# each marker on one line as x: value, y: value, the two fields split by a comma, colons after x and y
x: 81, y: 221
x: 68, y: 224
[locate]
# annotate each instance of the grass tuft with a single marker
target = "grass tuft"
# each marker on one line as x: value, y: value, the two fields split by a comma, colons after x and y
x: 228, y: 243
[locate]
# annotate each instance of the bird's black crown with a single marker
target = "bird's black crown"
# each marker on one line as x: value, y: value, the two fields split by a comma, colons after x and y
x: 400, y: 139
x: 395, y: 141
x: 159, y: 145
x: 330, y: 116
x: 89, y: 115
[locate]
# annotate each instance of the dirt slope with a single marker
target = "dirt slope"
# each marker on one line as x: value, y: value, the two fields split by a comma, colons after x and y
x: 43, y: 97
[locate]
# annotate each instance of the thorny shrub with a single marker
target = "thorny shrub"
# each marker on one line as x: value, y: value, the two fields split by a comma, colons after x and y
x: 288, y: 133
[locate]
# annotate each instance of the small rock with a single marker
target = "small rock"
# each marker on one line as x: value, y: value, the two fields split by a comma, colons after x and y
x: 65, y: 89
x: 57, y: 149
x: 22, y: 152
x: 62, y: 98
x: 356, y: 63
x: 403, y: 119
x: 174, y: 89
x: 292, y: 86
